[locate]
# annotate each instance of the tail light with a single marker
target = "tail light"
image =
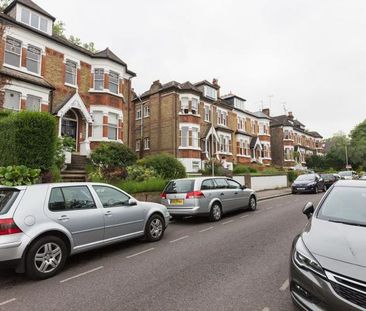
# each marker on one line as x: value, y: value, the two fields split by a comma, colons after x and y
x: 195, y: 195
x: 163, y: 195
x: 8, y: 226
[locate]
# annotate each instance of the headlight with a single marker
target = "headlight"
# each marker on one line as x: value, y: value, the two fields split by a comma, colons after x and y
x: 312, y: 184
x: 304, y: 259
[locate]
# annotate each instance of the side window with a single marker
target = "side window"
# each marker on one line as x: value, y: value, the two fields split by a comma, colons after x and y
x: 207, y: 185
x: 233, y: 184
x: 221, y: 183
x: 111, y: 197
x: 70, y: 198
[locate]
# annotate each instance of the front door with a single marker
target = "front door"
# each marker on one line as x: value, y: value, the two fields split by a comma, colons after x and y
x: 69, y: 125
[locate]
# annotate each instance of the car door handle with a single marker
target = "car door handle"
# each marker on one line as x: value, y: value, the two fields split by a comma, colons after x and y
x: 221, y: 193
x: 64, y: 218
x: 236, y: 192
x: 108, y: 213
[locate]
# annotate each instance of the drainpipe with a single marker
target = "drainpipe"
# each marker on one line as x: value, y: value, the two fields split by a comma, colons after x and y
x: 129, y: 127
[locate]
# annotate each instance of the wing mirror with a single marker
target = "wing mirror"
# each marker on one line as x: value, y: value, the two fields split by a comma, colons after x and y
x: 132, y: 202
x: 308, y: 209
x: 243, y: 187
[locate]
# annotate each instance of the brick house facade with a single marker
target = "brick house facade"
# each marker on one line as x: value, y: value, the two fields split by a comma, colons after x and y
x: 194, y: 123
x: 90, y: 93
x: 288, y: 136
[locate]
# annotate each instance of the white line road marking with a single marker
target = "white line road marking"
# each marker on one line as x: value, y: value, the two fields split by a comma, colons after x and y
x: 269, y: 207
x: 139, y: 253
x: 244, y: 216
x: 285, y: 285
x: 182, y: 238
x: 6, y: 302
x: 227, y: 222
x: 81, y: 274
x: 265, y: 309
x: 204, y: 230
x: 258, y: 211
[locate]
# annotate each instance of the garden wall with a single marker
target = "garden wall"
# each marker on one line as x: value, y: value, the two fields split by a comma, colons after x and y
x: 263, y: 182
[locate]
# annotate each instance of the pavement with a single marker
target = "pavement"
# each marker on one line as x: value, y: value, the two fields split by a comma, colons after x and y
x: 240, y: 263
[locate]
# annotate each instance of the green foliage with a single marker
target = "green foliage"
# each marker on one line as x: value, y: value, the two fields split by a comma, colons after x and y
x: 149, y: 185
x: 140, y: 173
x: 243, y: 169
x: 28, y: 138
x: 167, y: 166
x: 55, y: 174
x: 59, y: 28
x: 357, y: 150
x: 4, y: 113
x: 316, y: 162
x: 113, y: 154
x: 292, y: 175
x: 18, y: 175
x: 59, y: 153
x: 218, y: 169
x: 69, y: 144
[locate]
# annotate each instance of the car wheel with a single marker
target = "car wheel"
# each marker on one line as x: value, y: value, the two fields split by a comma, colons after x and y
x: 316, y: 190
x: 252, y: 203
x: 46, y: 257
x: 325, y: 188
x: 293, y: 191
x: 154, y: 229
x: 215, y: 212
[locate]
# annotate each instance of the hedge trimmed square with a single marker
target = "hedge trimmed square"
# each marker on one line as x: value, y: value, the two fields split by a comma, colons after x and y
x: 28, y: 138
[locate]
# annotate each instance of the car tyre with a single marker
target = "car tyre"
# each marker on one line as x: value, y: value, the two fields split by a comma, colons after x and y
x: 215, y: 212
x: 316, y: 190
x: 293, y: 191
x: 325, y: 188
x: 46, y: 257
x: 252, y: 203
x: 154, y: 229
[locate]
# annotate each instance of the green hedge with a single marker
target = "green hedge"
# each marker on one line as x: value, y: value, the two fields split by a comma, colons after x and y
x: 29, y: 139
x: 149, y: 185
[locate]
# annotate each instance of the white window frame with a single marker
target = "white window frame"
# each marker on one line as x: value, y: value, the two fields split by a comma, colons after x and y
x: 12, y: 49
x: 194, y: 106
x: 97, y: 73
x: 72, y: 65
x: 28, y: 58
x: 147, y: 143
x: 138, y: 145
x: 113, y: 75
x: 19, y: 102
x: 222, y: 117
x: 184, y: 105
x: 207, y: 113
x: 210, y: 92
x: 146, y: 110
x: 97, y: 127
x: 113, y: 126
x: 138, y: 114
x: 32, y: 97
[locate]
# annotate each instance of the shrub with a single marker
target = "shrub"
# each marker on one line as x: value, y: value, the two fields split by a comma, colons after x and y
x: 242, y: 169
x: 113, y: 173
x: 292, y: 175
x: 218, y: 169
x: 69, y: 143
x: 113, y: 155
x: 167, y: 166
x: 18, y: 175
x: 59, y: 153
x: 140, y: 173
x: 149, y: 185
x: 29, y: 139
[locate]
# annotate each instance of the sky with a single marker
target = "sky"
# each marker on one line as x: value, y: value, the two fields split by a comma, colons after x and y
x: 303, y: 56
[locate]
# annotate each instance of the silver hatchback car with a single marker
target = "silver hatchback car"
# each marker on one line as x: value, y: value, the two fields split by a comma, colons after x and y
x: 41, y: 225
x: 207, y: 196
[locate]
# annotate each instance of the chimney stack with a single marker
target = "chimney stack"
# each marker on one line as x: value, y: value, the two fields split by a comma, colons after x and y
x: 266, y: 111
x: 290, y: 116
x: 215, y: 82
x: 155, y: 86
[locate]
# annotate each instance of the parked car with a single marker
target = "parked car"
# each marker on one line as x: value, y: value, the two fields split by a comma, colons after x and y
x: 308, y: 183
x: 348, y: 175
x: 363, y: 177
x: 330, y: 179
x: 327, y: 266
x: 207, y: 196
x: 42, y: 225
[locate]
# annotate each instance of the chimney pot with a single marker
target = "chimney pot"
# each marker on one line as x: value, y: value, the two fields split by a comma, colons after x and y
x: 266, y: 111
x: 290, y: 115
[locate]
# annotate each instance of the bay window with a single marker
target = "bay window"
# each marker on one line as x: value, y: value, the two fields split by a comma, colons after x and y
x: 195, y: 139
x: 33, y: 103
x: 33, y: 59
x: 184, y: 136
x: 97, y: 124
x: 194, y: 108
x: 207, y: 113
x: 99, y: 79
x: 113, y: 82
x: 13, y: 50
x: 12, y: 100
x: 112, y: 126
x: 222, y: 117
x: 184, y: 105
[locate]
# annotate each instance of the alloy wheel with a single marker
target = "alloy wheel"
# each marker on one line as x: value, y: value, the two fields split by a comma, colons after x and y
x: 48, y: 257
x: 216, y: 212
x: 252, y: 204
x: 156, y: 228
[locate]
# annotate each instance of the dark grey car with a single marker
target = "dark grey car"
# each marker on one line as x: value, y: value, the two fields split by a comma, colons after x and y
x: 328, y: 260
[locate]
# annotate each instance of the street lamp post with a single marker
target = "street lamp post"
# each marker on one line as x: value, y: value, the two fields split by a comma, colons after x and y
x: 212, y: 143
x: 346, y: 150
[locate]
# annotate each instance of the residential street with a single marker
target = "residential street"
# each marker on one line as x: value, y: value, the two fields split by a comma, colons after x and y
x: 239, y: 263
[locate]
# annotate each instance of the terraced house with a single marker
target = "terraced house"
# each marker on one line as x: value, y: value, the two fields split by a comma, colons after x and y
x: 90, y: 93
x: 194, y: 123
x: 292, y: 142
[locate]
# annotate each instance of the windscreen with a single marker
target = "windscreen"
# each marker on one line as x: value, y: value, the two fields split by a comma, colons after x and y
x: 180, y: 186
x: 345, y: 204
x: 305, y: 178
x: 7, y: 198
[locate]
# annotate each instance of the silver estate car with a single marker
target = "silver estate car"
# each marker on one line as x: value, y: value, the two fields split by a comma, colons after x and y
x: 41, y: 225
x: 207, y: 196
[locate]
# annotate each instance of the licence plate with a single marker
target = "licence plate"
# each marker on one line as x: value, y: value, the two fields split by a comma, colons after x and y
x: 176, y: 202
x: 300, y: 188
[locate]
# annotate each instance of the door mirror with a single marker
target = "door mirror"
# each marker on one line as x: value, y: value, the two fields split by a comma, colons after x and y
x: 308, y: 209
x: 132, y: 202
x: 243, y: 187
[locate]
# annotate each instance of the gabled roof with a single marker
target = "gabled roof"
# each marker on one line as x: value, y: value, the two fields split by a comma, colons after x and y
x: 315, y: 134
x: 107, y: 53
x: 180, y: 86
x: 207, y: 83
x: 31, y: 5
x: 261, y: 115
x: 281, y: 120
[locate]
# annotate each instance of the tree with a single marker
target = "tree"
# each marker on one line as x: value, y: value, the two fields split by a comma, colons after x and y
x: 59, y: 29
x: 357, y: 148
x: 316, y: 162
x: 336, y: 154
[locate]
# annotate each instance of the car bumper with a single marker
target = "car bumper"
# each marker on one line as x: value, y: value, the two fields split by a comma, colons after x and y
x: 12, y: 247
x: 311, y: 292
x: 303, y: 190
x: 187, y: 211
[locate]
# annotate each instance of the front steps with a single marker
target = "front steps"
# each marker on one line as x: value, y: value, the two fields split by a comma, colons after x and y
x: 76, y: 171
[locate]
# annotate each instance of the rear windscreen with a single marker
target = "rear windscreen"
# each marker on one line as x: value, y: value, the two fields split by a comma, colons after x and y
x: 179, y: 186
x: 7, y: 198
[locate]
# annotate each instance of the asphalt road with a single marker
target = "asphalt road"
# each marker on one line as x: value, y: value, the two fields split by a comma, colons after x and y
x: 239, y: 263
